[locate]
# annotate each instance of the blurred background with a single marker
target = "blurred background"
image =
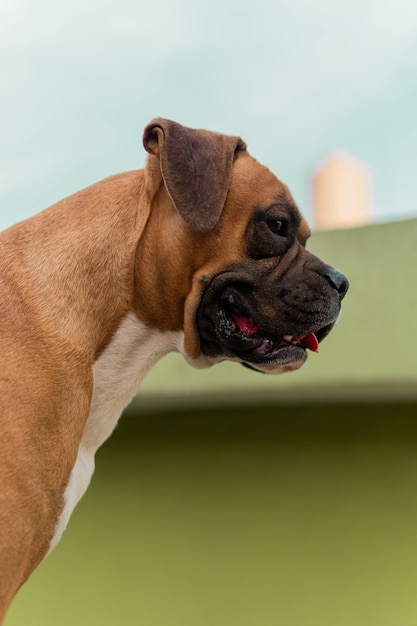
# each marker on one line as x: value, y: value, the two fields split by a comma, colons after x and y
x: 297, y: 79
x: 226, y: 497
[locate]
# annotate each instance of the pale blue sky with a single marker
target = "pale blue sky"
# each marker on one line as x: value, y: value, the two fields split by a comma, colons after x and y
x: 296, y: 79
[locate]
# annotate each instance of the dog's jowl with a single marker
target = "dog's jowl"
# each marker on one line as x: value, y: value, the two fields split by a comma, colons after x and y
x: 202, y: 252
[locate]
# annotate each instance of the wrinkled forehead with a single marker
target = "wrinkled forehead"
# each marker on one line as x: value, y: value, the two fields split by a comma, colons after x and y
x: 258, y: 189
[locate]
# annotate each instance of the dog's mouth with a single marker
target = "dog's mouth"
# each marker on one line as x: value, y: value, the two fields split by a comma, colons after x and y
x: 235, y: 331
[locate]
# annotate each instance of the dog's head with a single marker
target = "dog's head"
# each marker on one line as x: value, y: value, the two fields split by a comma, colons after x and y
x: 232, y: 270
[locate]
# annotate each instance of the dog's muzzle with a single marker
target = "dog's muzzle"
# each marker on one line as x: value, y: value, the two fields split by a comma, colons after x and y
x: 269, y: 324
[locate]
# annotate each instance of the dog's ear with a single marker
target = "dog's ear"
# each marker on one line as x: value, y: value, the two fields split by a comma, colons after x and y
x: 196, y: 166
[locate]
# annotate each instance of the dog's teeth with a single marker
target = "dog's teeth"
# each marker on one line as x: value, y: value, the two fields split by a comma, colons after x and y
x: 231, y: 299
x: 288, y: 337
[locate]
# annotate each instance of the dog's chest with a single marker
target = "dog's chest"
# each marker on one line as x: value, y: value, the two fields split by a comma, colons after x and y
x: 117, y: 374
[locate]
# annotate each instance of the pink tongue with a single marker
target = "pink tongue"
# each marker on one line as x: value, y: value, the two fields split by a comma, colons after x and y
x: 245, y: 324
x: 308, y: 341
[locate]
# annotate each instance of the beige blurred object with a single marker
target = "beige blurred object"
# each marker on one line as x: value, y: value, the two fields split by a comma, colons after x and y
x: 341, y: 193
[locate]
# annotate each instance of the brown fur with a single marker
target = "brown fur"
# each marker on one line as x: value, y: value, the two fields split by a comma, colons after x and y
x: 64, y: 293
x: 146, y: 241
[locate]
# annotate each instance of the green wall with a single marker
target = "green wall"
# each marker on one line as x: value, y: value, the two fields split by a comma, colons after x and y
x: 273, y: 516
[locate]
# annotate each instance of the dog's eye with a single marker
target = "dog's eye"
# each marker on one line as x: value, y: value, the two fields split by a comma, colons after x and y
x: 277, y: 227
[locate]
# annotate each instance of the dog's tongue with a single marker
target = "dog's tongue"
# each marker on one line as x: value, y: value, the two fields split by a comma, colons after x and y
x: 245, y: 324
x: 308, y: 341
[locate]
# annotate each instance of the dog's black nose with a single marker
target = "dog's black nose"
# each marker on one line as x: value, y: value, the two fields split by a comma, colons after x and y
x: 337, y: 280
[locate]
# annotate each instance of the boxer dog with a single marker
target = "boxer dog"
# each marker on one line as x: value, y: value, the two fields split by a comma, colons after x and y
x: 201, y: 252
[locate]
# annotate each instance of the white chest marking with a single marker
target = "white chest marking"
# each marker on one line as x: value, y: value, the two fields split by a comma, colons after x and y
x: 117, y: 373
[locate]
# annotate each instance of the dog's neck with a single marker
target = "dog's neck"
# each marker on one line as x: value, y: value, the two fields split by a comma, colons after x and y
x: 75, y: 287
x: 71, y: 292
x: 82, y: 275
